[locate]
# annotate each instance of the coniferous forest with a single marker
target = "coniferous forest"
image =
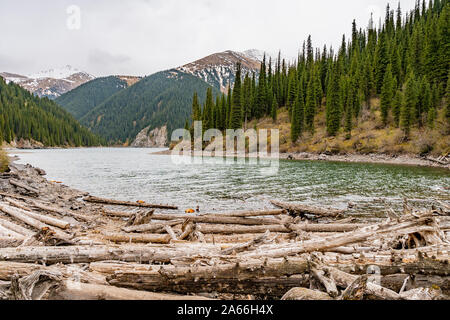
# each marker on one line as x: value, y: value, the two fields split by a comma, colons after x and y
x: 28, y: 117
x: 387, y: 84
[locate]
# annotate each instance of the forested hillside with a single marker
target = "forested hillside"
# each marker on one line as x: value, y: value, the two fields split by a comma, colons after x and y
x: 384, y: 90
x: 25, y: 116
x: 161, y: 99
x: 87, y: 96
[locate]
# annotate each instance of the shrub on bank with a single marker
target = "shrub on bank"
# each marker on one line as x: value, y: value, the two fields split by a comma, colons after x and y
x: 4, y: 161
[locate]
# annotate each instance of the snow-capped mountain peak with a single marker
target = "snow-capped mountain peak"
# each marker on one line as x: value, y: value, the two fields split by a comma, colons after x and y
x: 58, y: 73
x: 50, y: 83
x: 218, y: 69
x: 258, y: 55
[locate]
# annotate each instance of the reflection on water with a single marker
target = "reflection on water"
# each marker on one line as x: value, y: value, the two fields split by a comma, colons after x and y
x: 136, y: 174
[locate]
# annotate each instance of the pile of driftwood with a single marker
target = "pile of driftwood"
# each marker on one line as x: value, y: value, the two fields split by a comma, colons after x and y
x: 58, y: 243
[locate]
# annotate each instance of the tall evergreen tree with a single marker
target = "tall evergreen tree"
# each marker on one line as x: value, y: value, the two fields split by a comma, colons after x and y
x: 387, y: 92
x: 236, y: 108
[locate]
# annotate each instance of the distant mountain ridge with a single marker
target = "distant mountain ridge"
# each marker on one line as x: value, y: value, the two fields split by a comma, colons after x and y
x: 218, y: 69
x: 161, y: 99
x: 28, y: 120
x: 50, y: 83
x: 119, y: 108
x: 86, y: 97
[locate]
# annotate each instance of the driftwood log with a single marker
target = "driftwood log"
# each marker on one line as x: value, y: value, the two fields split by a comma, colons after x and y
x: 300, y: 209
x: 128, y: 203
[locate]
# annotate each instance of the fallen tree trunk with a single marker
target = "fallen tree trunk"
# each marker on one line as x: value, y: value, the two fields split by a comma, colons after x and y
x: 244, y: 214
x: 4, y: 232
x: 85, y: 254
x: 46, y: 219
x: 300, y: 209
x: 15, y: 227
x: 23, y: 186
x: 239, y: 229
x: 309, y: 227
x: 218, y: 219
x: 305, y: 294
x: 60, y: 211
x: 260, y: 279
x: 29, y: 220
x: 10, y: 269
x: 152, y: 227
x: 128, y: 203
x: 69, y: 290
x: 246, y: 246
x: 137, y: 238
x: 8, y: 242
x: 393, y: 229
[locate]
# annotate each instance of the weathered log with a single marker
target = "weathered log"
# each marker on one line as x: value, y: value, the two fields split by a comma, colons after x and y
x: 29, y: 220
x: 16, y: 204
x: 118, y: 214
x: 127, y: 203
x: 259, y: 279
x: 46, y: 219
x: 137, y: 238
x: 15, y: 227
x: 5, y: 232
x: 8, y: 242
x: 152, y: 227
x: 60, y: 211
x: 70, y: 290
x: 393, y: 229
x: 246, y: 246
x: 187, y: 232
x: 305, y: 294
x: 33, y: 286
x: 300, y: 209
x: 140, y: 218
x: 23, y: 186
x: 85, y: 254
x: 325, y: 278
x: 395, y: 282
x: 218, y: 219
x: 309, y: 227
x: 360, y: 288
x: 171, y: 233
x: 239, y: 229
x: 244, y: 214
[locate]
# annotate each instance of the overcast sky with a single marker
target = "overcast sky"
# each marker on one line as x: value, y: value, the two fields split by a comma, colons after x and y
x: 140, y: 37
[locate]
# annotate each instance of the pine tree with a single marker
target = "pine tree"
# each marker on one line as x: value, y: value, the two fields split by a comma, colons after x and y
x: 196, y: 111
x: 387, y: 92
x: 274, y: 112
x: 431, y: 117
x: 409, y: 105
x: 310, y: 107
x: 381, y: 61
x: 396, y: 107
x: 348, y: 122
x: 333, y: 106
x: 236, y: 108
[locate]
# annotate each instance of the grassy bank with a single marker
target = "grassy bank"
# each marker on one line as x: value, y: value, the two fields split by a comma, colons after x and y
x: 367, y: 137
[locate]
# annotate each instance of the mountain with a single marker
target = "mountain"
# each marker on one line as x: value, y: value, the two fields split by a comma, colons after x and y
x: 86, y: 97
x: 161, y: 99
x: 258, y: 55
x: 39, y: 121
x: 50, y: 83
x: 218, y: 69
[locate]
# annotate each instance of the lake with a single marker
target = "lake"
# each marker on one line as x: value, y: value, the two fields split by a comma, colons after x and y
x: 136, y: 174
